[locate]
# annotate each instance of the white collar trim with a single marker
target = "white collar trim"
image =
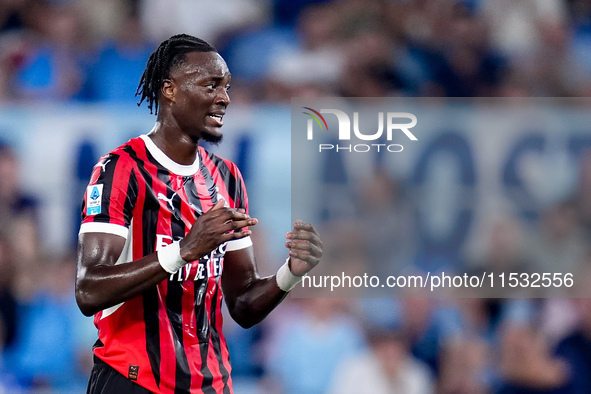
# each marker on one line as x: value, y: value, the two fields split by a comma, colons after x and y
x: 167, y: 162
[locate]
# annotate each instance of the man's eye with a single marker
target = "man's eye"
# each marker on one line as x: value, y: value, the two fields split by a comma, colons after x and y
x: 228, y: 87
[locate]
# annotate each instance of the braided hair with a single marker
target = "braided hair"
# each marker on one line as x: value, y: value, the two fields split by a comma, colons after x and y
x: 169, y: 55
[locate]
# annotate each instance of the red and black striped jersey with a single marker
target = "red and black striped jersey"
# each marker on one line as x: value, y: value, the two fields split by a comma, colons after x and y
x: 169, y: 339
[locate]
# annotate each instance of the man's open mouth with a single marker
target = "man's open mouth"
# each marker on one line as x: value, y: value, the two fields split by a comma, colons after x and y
x: 217, y: 119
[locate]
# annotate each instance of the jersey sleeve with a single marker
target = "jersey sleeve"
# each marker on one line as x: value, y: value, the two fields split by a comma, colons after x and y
x: 110, y: 196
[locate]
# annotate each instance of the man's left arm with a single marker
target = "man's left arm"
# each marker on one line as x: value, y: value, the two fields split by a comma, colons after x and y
x: 251, y: 298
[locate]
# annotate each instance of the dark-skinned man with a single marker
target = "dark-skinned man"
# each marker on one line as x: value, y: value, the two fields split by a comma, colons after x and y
x: 165, y: 233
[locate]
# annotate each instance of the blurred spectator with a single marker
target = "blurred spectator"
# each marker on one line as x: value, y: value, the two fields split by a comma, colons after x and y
x: 206, y: 20
x: 582, y: 197
x: 466, y: 360
x: 104, y: 20
x: 469, y: 68
x: 286, y: 12
x: 559, y: 317
x: 9, y: 319
x: 386, y: 368
x: 319, y: 58
x: 8, y: 304
x: 267, y: 44
x: 503, y: 249
x: 53, y: 68
x: 18, y: 215
x: 575, y: 351
x: 559, y: 245
x: 527, y: 364
x: 52, y: 347
x: 387, y: 221
x: 536, y: 37
x: 115, y: 75
x: 580, y: 17
x: 13, y: 49
x: 428, y: 327
x: 463, y: 366
x: 345, y: 253
x: 18, y: 211
x: 516, y: 27
x: 368, y: 70
x: 14, y: 204
x: 306, y: 355
x: 11, y: 14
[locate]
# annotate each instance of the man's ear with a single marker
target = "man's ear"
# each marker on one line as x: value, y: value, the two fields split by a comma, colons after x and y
x: 168, y: 90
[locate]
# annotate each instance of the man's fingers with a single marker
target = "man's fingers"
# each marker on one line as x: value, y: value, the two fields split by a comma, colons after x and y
x: 238, y: 224
x: 235, y: 235
x: 305, y: 258
x: 237, y: 215
x: 220, y: 204
x: 304, y: 247
x: 299, y: 225
x: 300, y: 235
x: 298, y: 244
x: 302, y: 251
x: 305, y: 236
x: 226, y: 214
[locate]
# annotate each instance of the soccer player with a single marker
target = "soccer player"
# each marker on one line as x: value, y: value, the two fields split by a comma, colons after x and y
x: 165, y: 234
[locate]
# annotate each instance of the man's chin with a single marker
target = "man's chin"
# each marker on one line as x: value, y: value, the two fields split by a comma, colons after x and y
x: 214, y: 139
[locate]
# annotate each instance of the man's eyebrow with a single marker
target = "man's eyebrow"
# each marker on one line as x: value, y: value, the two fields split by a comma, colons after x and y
x: 220, y: 77
x: 198, y: 76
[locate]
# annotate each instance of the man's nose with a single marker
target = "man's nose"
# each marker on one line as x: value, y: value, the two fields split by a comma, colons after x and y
x: 223, y: 97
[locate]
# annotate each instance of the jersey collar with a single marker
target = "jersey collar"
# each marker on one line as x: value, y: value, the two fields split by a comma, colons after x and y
x: 167, y: 162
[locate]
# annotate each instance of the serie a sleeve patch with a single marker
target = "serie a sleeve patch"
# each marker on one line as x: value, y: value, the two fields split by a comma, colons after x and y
x: 94, y: 196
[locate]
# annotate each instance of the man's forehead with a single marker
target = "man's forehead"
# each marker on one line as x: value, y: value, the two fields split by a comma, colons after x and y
x: 203, y: 63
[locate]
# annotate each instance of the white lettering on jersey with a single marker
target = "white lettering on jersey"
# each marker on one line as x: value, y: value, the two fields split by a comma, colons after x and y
x: 162, y: 241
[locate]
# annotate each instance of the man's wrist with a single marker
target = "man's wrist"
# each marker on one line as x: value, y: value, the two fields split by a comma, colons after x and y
x: 286, y: 280
x: 170, y: 258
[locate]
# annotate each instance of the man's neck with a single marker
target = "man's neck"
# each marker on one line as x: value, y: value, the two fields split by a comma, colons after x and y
x: 175, y: 144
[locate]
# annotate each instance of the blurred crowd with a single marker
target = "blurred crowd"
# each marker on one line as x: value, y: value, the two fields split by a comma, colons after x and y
x: 89, y: 51
x: 82, y: 50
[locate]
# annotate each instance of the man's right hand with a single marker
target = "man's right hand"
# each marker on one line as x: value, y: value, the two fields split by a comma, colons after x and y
x: 216, y: 226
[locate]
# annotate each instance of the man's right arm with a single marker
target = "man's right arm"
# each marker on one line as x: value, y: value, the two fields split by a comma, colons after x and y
x: 100, y: 283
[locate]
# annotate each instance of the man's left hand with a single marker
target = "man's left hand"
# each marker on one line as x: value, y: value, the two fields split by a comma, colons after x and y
x: 305, y: 248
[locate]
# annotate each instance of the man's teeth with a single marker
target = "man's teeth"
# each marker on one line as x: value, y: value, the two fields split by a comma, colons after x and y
x: 216, y: 116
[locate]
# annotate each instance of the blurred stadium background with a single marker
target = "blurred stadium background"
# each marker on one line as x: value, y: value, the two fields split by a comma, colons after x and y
x: 68, y: 73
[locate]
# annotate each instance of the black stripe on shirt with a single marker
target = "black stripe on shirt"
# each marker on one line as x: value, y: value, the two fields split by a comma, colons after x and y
x: 150, y: 297
x: 215, y: 340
